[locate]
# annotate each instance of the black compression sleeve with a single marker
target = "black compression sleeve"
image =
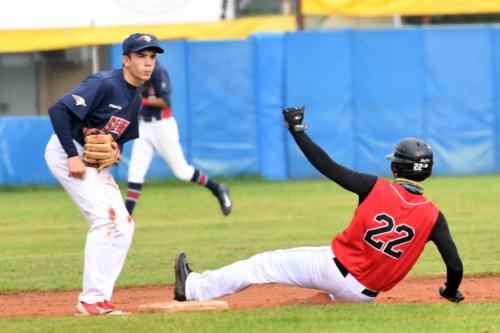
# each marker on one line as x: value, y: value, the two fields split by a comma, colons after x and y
x: 441, y: 236
x: 60, y: 117
x: 353, y: 181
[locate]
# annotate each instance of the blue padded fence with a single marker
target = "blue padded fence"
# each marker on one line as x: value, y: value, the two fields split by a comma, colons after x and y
x: 22, y: 149
x: 321, y: 80
x: 222, y: 117
x: 363, y: 91
x: 269, y: 80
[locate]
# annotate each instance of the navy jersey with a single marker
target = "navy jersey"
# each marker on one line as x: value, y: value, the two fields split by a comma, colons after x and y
x: 158, y: 86
x: 104, y: 101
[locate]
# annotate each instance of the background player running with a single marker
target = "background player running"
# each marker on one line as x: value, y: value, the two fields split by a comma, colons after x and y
x: 108, y: 101
x: 387, y: 234
x: 159, y: 132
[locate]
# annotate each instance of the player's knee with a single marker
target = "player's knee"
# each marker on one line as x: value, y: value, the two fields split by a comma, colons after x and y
x: 135, y: 178
x: 183, y: 173
x: 127, y: 230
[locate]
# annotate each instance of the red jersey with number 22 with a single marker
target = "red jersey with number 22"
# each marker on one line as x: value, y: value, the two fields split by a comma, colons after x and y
x: 386, y: 236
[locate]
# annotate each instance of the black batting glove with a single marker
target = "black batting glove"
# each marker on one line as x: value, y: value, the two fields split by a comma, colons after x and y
x: 293, y: 119
x: 455, y: 298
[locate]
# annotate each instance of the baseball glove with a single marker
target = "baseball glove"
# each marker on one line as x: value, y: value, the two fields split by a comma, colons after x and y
x: 100, y: 151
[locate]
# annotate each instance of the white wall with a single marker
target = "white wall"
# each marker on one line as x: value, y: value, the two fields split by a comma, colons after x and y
x: 42, y: 14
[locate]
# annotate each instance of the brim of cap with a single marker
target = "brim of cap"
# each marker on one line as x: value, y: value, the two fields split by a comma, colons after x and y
x: 155, y: 48
x: 398, y: 159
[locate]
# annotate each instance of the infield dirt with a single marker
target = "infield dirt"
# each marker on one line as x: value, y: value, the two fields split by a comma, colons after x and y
x: 410, y: 290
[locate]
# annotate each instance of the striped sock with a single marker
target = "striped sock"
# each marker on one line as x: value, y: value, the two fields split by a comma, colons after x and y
x: 133, y: 194
x: 202, y: 179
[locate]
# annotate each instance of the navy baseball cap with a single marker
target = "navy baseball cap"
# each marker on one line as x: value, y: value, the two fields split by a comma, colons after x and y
x: 137, y: 42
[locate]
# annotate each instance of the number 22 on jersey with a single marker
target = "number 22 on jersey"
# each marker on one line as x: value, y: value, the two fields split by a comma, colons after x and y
x: 402, y: 234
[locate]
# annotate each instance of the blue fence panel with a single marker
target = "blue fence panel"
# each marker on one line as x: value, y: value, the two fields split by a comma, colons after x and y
x: 221, y: 103
x: 388, y: 96
x: 22, y: 150
x: 495, y: 40
x: 318, y: 75
x: 269, y: 89
x: 363, y: 90
x: 460, y: 99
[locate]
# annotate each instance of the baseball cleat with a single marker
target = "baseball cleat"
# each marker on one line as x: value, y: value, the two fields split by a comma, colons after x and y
x: 224, y: 199
x: 95, y: 309
x: 110, y: 307
x: 90, y: 309
x: 182, y: 270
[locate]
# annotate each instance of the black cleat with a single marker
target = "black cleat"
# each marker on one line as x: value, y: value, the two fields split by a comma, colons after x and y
x: 182, y: 270
x: 224, y: 199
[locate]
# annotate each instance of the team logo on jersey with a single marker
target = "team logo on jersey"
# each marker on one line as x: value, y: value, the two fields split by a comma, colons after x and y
x: 116, y: 126
x: 79, y: 100
x: 114, y: 106
x: 145, y: 38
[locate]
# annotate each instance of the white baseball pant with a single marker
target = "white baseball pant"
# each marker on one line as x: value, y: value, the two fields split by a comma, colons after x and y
x: 306, y: 267
x: 162, y: 136
x: 111, y: 228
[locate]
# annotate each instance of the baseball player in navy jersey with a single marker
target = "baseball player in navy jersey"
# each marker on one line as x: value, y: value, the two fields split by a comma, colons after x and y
x: 107, y: 102
x: 387, y: 234
x: 159, y: 132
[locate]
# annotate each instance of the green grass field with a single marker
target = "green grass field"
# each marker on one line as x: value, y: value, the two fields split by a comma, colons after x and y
x: 42, y: 236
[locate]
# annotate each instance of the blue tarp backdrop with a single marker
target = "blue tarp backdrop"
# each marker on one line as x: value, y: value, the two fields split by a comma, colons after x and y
x: 363, y: 91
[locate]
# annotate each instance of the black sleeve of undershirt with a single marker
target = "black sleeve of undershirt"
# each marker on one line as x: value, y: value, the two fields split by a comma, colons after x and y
x: 60, y: 116
x: 441, y: 236
x: 353, y: 181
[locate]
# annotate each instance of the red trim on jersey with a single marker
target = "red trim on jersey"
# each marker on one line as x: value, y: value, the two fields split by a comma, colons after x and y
x: 133, y: 195
x: 166, y: 112
x: 386, y: 236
